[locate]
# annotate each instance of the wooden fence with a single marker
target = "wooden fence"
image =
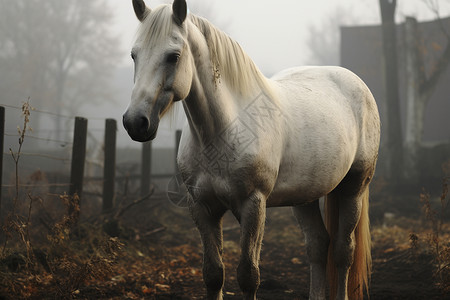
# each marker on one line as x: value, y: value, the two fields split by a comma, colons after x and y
x: 78, y: 160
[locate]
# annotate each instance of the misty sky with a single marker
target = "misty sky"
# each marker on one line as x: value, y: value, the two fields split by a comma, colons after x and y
x: 274, y: 33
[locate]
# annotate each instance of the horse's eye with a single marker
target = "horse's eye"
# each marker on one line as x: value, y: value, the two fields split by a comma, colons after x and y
x: 172, y: 58
x: 133, y: 56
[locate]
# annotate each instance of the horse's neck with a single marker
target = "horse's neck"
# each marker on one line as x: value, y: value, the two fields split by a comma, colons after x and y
x: 205, y: 109
x: 209, y: 106
x: 215, y: 98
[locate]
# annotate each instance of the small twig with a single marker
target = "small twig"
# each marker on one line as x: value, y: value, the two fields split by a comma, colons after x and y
x: 442, y: 268
x: 434, y: 7
x: 27, y: 239
x: 29, y: 214
x: 26, y: 107
x: 121, y: 211
x: 159, y: 229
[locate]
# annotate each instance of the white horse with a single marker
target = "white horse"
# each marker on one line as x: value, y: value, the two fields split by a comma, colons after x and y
x: 253, y: 142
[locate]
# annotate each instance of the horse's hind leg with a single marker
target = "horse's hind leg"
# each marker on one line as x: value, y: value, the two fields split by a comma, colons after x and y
x: 209, y: 224
x: 317, y: 241
x: 351, y: 198
x: 349, y: 212
x: 252, y: 216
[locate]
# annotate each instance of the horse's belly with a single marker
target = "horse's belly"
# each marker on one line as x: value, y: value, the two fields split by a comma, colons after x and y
x: 313, y: 166
x: 305, y: 187
x: 295, y: 193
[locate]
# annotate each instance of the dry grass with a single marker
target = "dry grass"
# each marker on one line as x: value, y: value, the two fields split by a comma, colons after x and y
x: 436, y: 237
x: 58, y: 266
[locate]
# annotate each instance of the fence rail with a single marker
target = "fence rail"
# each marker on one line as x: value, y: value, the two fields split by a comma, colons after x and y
x: 78, y: 159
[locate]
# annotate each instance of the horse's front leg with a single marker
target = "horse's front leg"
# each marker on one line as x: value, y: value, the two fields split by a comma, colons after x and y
x: 209, y: 224
x: 252, y: 216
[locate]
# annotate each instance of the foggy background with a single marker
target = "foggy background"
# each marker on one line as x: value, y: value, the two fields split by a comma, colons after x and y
x: 72, y: 58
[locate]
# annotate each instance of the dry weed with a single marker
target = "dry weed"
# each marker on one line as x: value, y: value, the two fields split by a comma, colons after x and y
x: 436, y: 240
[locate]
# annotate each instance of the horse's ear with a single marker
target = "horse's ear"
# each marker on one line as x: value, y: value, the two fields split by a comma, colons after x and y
x: 140, y: 9
x: 179, y: 8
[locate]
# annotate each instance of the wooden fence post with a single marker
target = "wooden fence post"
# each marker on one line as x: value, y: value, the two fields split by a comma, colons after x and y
x: 78, y: 158
x: 109, y: 166
x: 2, y: 134
x: 177, y: 145
x: 146, y: 168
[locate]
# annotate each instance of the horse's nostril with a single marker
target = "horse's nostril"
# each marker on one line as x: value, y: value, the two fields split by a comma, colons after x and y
x: 143, y: 124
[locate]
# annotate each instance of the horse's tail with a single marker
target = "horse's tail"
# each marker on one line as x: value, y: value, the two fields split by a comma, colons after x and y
x: 359, y: 274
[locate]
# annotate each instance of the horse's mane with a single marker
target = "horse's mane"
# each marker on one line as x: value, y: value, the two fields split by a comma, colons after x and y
x: 233, y: 65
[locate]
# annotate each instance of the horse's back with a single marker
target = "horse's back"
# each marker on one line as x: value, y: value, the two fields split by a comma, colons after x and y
x: 331, y: 81
x: 335, y: 93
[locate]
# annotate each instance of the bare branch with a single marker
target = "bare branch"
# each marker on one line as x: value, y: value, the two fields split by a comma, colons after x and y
x: 48, y: 48
x: 433, y: 6
x: 121, y: 211
x: 427, y: 87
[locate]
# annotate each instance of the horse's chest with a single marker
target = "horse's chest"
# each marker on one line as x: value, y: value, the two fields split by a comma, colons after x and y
x: 232, y: 150
x: 228, y: 176
x: 233, y: 164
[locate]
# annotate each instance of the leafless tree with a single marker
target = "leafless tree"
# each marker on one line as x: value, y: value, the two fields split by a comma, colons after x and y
x: 59, y: 53
x: 392, y: 98
x: 427, y: 58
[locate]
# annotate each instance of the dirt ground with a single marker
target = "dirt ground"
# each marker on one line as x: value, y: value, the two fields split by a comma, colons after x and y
x: 399, y: 272
x: 160, y: 258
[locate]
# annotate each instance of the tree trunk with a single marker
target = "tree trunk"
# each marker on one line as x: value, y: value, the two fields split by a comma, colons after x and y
x: 393, y: 145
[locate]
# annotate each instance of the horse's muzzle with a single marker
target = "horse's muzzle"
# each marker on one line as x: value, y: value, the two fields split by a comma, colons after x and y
x: 139, y: 127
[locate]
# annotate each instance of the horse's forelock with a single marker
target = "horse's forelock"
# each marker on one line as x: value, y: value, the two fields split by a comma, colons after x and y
x: 157, y: 26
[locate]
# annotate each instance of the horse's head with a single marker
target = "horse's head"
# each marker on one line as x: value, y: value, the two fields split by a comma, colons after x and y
x: 163, y: 67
